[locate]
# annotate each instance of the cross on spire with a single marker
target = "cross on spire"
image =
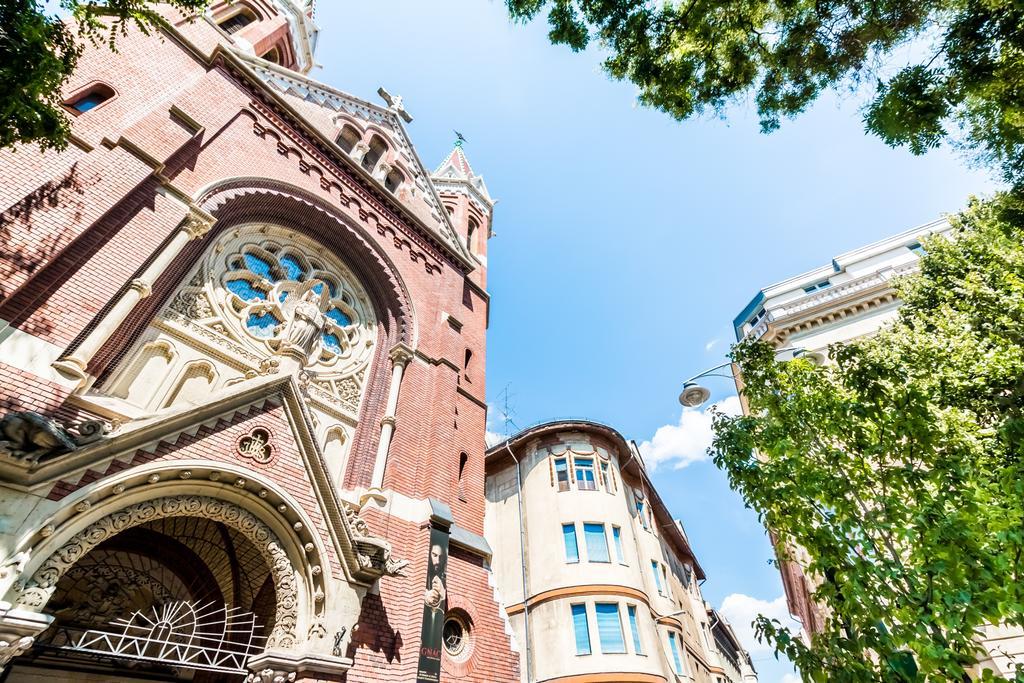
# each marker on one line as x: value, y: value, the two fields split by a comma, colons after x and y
x: 395, y: 104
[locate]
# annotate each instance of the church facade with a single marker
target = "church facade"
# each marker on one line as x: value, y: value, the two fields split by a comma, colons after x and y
x: 242, y: 413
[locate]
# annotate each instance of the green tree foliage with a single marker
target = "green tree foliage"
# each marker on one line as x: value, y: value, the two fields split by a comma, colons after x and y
x: 38, y: 52
x: 965, y: 75
x: 898, y: 466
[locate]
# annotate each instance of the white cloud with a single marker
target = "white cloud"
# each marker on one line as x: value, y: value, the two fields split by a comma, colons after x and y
x: 791, y: 678
x: 741, y: 610
x: 493, y: 438
x: 687, y: 442
x: 711, y: 344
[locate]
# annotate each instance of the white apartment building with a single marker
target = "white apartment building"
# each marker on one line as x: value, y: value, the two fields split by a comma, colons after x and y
x: 848, y: 298
x: 599, y: 582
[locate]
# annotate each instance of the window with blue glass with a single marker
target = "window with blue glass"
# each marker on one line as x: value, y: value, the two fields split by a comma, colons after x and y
x: 609, y: 628
x: 677, y: 660
x: 91, y: 98
x: 824, y: 284
x: 597, y: 542
x: 657, y: 576
x: 634, y: 629
x: 916, y: 248
x: 581, y: 628
x: 617, y: 538
x: 572, y: 549
x: 270, y: 286
x: 585, y: 478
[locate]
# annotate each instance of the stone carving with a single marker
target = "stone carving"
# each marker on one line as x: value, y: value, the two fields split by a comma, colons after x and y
x: 256, y: 446
x: 308, y: 321
x: 13, y: 564
x: 270, y: 676
x: 31, y: 437
x: 36, y: 590
x: 372, y: 553
x: 193, y: 305
x: 197, y: 224
x: 10, y: 650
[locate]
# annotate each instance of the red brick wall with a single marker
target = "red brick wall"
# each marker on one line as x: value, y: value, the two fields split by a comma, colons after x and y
x: 78, y: 225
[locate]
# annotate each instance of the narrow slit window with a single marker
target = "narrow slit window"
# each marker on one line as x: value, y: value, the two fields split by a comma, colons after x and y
x: 581, y: 628
x: 677, y: 661
x: 572, y: 549
x: 617, y: 537
x: 562, y: 474
x: 634, y: 629
x: 657, y: 576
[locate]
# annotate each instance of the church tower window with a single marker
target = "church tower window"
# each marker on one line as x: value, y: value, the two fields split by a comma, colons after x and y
x: 377, y: 149
x: 394, y: 180
x: 348, y: 138
x: 272, y: 55
x: 237, y: 21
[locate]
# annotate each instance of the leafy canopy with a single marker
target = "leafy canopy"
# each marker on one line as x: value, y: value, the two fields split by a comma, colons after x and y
x: 964, y: 76
x: 38, y: 52
x: 898, y: 466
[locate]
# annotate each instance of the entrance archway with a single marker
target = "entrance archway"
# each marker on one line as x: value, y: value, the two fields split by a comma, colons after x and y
x: 178, y: 588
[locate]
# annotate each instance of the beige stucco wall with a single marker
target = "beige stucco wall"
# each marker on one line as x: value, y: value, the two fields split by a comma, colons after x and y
x: 555, y: 584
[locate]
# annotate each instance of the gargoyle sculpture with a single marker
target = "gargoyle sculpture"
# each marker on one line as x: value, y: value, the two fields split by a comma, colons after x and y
x: 29, y: 436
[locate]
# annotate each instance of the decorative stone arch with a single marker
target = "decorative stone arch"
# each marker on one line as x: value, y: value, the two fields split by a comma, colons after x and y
x: 34, y: 592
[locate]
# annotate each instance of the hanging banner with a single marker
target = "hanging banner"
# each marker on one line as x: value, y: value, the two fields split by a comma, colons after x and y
x: 435, y: 604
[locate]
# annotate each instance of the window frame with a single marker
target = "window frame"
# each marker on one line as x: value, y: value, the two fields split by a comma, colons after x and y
x: 632, y: 615
x: 558, y: 482
x: 575, y: 542
x: 618, y: 623
x: 657, y: 576
x: 577, y: 609
x: 581, y: 482
x: 589, y: 531
x: 617, y: 542
x: 678, y: 660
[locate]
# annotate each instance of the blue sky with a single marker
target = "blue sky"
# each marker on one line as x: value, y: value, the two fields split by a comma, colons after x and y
x: 626, y: 242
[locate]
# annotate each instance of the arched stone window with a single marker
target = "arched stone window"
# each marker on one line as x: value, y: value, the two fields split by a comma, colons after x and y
x: 146, y: 373
x: 334, y: 453
x: 348, y: 138
x: 471, y: 235
x: 377, y: 149
x: 393, y: 180
x: 272, y: 55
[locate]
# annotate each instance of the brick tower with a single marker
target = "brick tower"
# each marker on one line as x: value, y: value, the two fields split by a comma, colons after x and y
x: 242, y: 340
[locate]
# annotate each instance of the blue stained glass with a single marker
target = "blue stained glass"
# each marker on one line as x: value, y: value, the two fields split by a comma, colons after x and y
x: 245, y: 291
x: 331, y: 342
x: 318, y: 287
x: 282, y: 296
x: 333, y: 288
x: 258, y: 265
x: 262, y: 325
x: 292, y: 268
x: 338, y: 316
x: 609, y: 627
x: 581, y: 628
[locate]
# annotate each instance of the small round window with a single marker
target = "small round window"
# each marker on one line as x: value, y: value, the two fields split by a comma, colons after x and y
x: 455, y: 636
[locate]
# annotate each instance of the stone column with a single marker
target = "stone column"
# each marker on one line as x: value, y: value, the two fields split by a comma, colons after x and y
x: 400, y: 357
x: 73, y: 365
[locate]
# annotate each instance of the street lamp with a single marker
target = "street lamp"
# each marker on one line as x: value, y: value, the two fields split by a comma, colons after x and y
x: 695, y: 394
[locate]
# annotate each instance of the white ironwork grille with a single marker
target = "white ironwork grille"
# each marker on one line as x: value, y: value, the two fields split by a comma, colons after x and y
x: 209, y: 636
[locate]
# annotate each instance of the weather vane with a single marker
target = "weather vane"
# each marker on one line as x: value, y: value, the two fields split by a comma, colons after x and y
x: 459, y: 138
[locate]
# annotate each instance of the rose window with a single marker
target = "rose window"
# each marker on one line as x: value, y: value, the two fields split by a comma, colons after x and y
x: 289, y: 294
